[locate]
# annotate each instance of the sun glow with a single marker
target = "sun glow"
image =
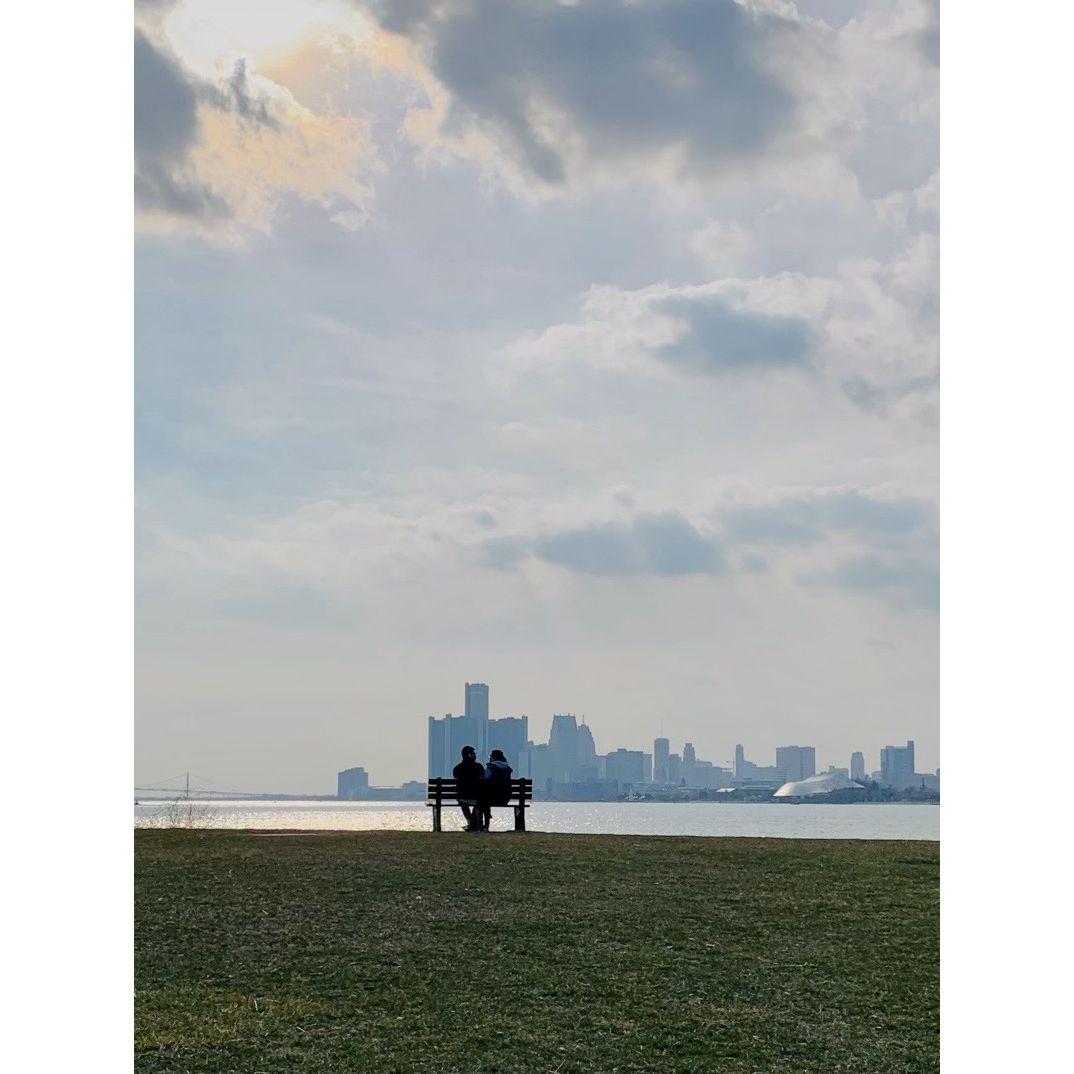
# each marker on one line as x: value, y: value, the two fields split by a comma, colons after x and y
x: 210, y: 35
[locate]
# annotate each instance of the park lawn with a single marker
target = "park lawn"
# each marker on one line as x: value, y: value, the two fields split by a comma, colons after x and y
x: 404, y: 951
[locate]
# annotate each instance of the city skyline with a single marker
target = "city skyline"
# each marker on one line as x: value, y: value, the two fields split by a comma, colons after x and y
x: 477, y: 707
x: 620, y: 393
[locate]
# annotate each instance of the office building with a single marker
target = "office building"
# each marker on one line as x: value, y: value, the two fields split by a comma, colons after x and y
x: 477, y: 709
x: 674, y: 768
x: 352, y: 784
x: 447, y: 736
x: 510, y: 734
x: 661, y: 752
x: 796, y: 762
x: 748, y: 772
x: 628, y: 767
x: 857, y: 766
x: 897, y: 766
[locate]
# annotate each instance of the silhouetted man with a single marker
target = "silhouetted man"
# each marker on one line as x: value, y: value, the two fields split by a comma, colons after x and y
x: 468, y: 774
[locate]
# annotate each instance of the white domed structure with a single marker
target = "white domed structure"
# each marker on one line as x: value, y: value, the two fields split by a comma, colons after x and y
x: 825, y: 783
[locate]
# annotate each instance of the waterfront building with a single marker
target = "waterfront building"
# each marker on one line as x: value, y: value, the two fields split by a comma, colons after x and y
x: 857, y: 766
x: 352, y: 784
x: 447, y: 736
x: 796, y: 762
x: 476, y: 701
x: 748, y: 772
x: 507, y: 733
x: 628, y: 767
x: 661, y: 752
x: 674, y: 768
x: 897, y: 766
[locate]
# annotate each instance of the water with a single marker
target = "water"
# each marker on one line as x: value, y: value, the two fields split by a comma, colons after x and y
x: 785, y: 821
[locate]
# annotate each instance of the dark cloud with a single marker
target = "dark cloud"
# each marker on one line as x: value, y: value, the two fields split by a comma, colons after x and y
x: 908, y: 584
x: 166, y: 98
x: 165, y: 129
x: 804, y: 520
x: 718, y: 339
x: 630, y: 79
x: 661, y: 544
x: 165, y: 104
x: 235, y: 96
x: 878, y: 399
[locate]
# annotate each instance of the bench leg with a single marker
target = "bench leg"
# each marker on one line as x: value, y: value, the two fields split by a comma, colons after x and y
x: 520, y: 818
x: 436, y: 817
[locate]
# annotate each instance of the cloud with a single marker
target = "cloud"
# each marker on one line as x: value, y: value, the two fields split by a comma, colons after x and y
x: 908, y: 584
x: 808, y: 519
x: 689, y: 87
x: 165, y: 130
x: 664, y: 544
x: 219, y: 157
x: 717, y: 338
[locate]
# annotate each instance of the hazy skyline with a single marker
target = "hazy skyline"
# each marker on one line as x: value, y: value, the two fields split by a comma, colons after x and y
x: 589, y: 351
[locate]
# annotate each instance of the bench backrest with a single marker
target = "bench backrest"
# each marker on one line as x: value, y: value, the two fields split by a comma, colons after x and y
x: 445, y: 790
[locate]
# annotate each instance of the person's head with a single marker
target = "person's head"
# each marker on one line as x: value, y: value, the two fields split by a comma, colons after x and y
x: 497, y: 755
x: 469, y: 753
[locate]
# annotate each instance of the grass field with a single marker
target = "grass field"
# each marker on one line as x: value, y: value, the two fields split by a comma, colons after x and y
x: 411, y: 952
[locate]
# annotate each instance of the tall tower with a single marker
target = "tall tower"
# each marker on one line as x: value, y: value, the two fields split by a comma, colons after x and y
x: 661, y: 752
x: 477, y: 709
x: 857, y: 766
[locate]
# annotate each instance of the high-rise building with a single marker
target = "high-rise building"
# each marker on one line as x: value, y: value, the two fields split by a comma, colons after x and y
x: 674, y: 768
x: 627, y: 767
x: 564, y: 746
x: 857, y: 766
x: 661, y: 752
x: 447, y: 736
x: 510, y: 734
x: 689, y: 756
x: 477, y: 709
x: 796, y: 762
x: 352, y: 784
x: 897, y: 766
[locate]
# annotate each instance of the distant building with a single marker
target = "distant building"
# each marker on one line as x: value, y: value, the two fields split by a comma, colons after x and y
x: 661, y: 752
x: 447, y: 736
x: 352, y: 784
x: 689, y: 759
x: 674, y: 768
x: 897, y: 766
x: 796, y: 762
x: 627, y: 767
x: 857, y: 766
x: 748, y: 772
x: 510, y: 734
x: 476, y: 701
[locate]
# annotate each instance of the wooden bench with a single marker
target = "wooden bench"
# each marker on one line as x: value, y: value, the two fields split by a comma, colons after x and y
x: 443, y: 792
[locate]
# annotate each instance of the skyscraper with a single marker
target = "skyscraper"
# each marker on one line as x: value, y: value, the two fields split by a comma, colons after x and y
x: 796, y: 762
x: 510, y: 734
x: 897, y: 766
x: 661, y: 752
x: 447, y: 736
x: 857, y: 766
x: 689, y: 756
x: 477, y: 709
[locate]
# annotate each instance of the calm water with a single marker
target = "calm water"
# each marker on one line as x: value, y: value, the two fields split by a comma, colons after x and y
x: 879, y: 821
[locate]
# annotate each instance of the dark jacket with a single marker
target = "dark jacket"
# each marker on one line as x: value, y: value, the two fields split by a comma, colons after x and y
x: 468, y: 776
x: 496, y: 785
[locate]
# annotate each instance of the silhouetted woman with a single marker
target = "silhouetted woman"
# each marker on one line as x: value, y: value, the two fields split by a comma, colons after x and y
x: 495, y: 786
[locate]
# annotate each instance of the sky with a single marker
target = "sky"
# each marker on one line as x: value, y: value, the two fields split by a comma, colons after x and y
x: 589, y: 350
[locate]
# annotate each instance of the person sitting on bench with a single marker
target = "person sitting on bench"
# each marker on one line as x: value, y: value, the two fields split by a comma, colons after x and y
x: 495, y: 787
x: 468, y: 776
